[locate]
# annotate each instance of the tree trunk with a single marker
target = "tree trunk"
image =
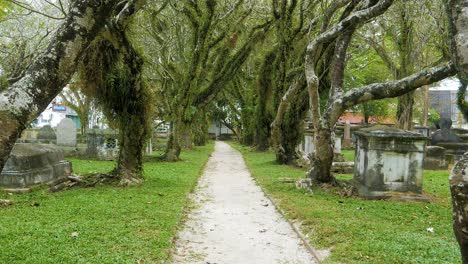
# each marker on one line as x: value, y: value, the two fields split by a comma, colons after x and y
x: 133, y: 114
x: 132, y: 142
x: 263, y: 116
x: 425, y: 113
x: 459, y: 190
x: 405, y: 48
x: 200, y: 135
x: 247, y: 132
x: 322, y: 158
x: 10, y: 132
x: 458, y: 19
x: 84, y: 122
x: 185, y: 135
x: 405, y: 111
x: 45, y: 78
x: 173, y: 148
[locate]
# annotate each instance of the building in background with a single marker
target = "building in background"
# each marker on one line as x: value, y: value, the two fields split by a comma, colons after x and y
x: 443, y: 99
x: 54, y: 113
x: 218, y: 129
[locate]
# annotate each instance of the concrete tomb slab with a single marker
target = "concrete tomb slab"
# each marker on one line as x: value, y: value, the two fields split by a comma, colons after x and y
x: 102, y: 144
x: 435, y: 158
x: 388, y: 161
x: 34, y: 164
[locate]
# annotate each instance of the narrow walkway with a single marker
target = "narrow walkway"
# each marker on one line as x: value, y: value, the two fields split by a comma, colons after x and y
x: 233, y: 222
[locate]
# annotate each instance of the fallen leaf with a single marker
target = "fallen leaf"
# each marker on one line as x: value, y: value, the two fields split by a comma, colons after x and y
x: 74, y: 234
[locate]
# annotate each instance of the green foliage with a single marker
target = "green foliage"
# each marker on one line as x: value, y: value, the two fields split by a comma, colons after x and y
x: 433, y: 116
x: 3, y: 82
x: 363, y: 231
x: 114, y: 225
x: 378, y: 109
x: 4, y: 6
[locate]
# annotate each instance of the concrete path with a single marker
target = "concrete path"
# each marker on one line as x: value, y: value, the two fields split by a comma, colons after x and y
x: 233, y: 222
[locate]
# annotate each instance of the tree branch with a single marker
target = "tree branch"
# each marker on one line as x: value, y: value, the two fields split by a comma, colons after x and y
x: 389, y: 89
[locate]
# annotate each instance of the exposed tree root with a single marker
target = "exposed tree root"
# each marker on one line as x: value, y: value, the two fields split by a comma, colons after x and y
x: 92, y: 180
x: 345, y: 189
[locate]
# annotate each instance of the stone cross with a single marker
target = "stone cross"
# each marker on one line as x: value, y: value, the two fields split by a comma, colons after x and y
x: 66, y: 133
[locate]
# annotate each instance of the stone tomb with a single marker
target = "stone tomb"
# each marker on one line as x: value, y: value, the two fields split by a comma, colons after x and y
x: 435, y: 158
x: 66, y: 133
x: 34, y: 164
x: 308, y: 146
x: 46, y: 135
x: 388, y: 162
x: 102, y: 144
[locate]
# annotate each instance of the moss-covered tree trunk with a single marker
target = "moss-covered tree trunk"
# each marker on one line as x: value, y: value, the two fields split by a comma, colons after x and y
x: 263, y: 116
x: 200, y: 129
x: 133, y: 127
x: 112, y: 69
x: 132, y: 142
x: 248, y: 132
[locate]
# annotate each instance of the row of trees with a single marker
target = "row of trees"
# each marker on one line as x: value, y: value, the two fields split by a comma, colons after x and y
x: 258, y: 66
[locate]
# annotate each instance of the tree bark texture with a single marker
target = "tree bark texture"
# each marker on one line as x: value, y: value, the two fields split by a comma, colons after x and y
x: 322, y: 158
x: 405, y: 111
x: 457, y: 11
x: 459, y: 190
x: 263, y: 116
x: 134, y: 125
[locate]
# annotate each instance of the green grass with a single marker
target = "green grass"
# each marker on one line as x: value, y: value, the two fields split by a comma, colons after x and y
x: 115, y: 225
x: 361, y: 231
x: 348, y: 154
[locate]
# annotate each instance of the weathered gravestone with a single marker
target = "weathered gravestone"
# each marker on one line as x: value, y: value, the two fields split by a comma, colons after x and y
x: 34, y: 164
x: 308, y: 146
x: 444, y: 134
x: 435, y: 158
x: 46, y: 134
x: 388, y: 162
x: 66, y: 133
x: 102, y: 144
x: 447, y: 138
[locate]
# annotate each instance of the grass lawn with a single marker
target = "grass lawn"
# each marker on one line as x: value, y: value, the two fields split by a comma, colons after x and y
x: 114, y: 225
x: 361, y: 231
x: 348, y: 154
